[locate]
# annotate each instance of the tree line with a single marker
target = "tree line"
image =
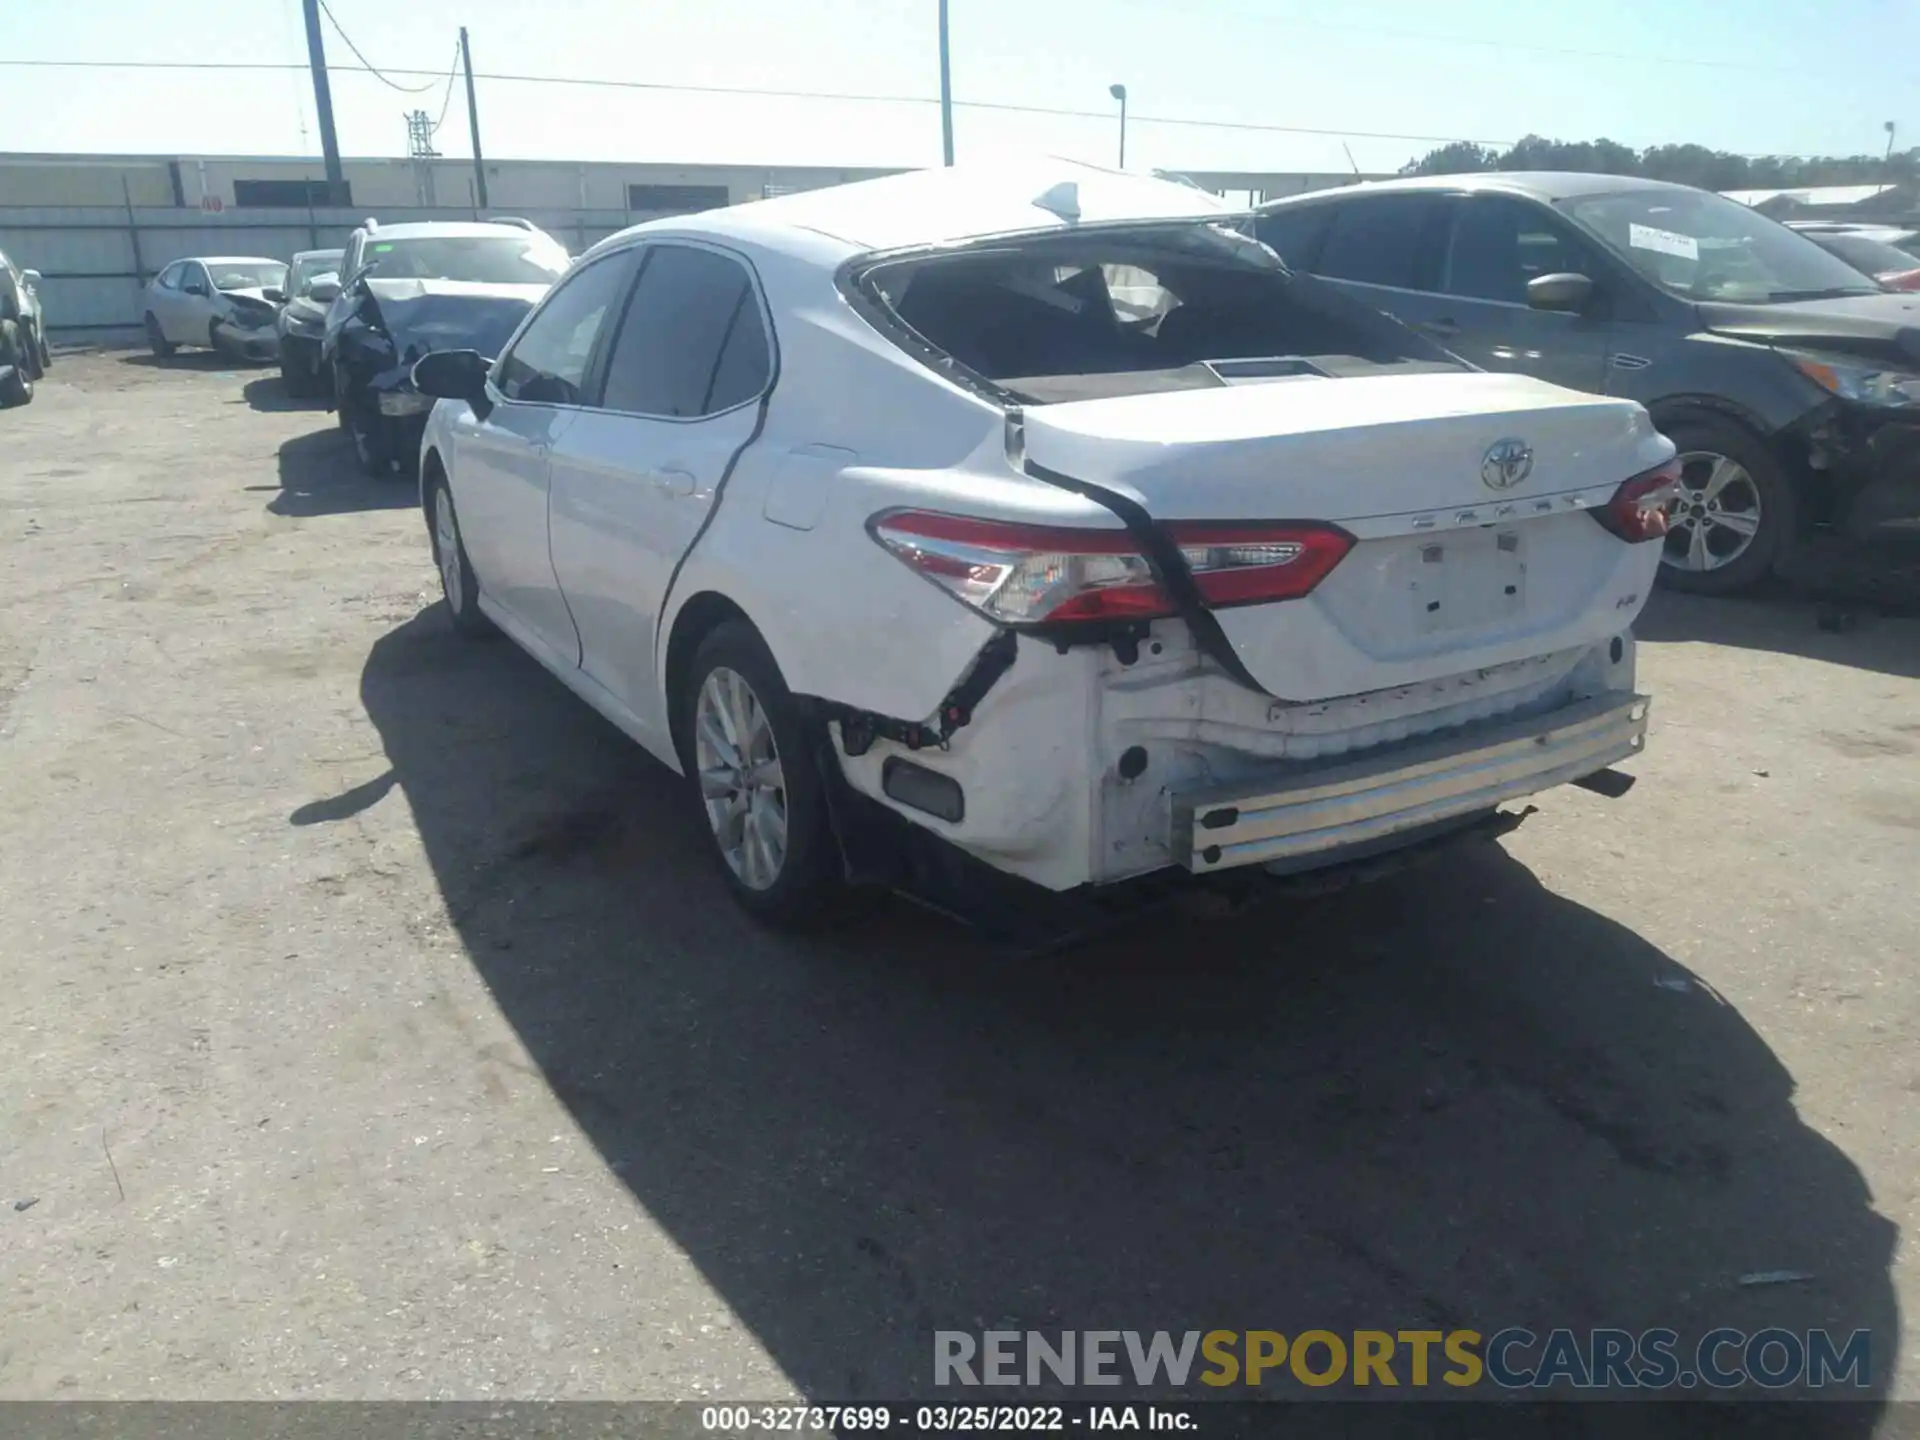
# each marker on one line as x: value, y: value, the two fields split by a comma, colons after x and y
x: 1686, y: 164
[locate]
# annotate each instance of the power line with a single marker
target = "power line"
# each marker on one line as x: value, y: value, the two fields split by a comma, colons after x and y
x: 664, y: 87
x: 453, y: 74
x: 340, y: 30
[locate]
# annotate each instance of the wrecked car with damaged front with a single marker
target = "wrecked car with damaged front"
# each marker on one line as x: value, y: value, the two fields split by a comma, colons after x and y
x: 1034, y: 525
x: 407, y: 291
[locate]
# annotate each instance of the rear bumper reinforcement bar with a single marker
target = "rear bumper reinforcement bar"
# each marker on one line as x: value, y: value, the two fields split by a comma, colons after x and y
x: 1335, y: 807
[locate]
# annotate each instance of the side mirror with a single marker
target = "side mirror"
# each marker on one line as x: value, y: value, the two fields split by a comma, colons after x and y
x: 324, y: 290
x: 275, y: 294
x: 454, y: 375
x: 32, y: 277
x: 1567, y: 293
x: 194, y: 287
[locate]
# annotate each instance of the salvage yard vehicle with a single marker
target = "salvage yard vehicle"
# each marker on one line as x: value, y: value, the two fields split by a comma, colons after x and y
x: 869, y: 510
x: 409, y: 290
x: 1789, y: 380
x: 24, y: 356
x: 312, y: 283
x: 1893, y: 267
x: 220, y: 302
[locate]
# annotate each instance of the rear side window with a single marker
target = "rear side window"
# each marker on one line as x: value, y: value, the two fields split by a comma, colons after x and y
x: 693, y: 342
x: 1294, y: 233
x: 1382, y: 240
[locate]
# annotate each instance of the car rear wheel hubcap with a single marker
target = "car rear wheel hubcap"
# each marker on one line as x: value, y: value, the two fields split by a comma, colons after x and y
x: 1715, y: 517
x: 446, y: 538
x: 740, y: 778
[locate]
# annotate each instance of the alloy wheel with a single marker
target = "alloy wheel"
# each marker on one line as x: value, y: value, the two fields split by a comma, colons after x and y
x: 1715, y: 518
x: 740, y: 778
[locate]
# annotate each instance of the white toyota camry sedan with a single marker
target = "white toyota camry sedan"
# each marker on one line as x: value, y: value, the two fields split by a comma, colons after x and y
x: 1037, y: 521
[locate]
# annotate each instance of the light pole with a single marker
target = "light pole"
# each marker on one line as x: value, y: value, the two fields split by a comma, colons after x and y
x: 946, y: 91
x: 1886, y: 165
x: 1119, y: 92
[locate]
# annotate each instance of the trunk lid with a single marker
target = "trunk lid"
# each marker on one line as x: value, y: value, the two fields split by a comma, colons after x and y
x: 1468, y: 553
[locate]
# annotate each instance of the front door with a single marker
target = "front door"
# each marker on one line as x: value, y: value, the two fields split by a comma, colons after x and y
x: 1497, y: 244
x: 635, y: 477
x: 503, y: 461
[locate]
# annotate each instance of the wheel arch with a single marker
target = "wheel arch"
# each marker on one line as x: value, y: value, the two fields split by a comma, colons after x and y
x: 432, y: 469
x: 695, y: 620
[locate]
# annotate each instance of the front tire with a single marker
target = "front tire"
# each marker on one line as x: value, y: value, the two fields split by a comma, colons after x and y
x: 1736, y: 516
x: 458, y: 584
x: 372, y: 448
x: 745, y: 747
x: 17, y: 388
x: 297, y: 376
x: 157, y: 341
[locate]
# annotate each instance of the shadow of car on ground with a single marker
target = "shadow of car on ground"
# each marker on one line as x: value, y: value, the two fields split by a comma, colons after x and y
x: 318, y: 476
x: 1452, y: 1099
x: 190, y: 360
x: 269, y: 395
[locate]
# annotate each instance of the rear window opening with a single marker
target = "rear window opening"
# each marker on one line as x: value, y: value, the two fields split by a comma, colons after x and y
x: 1089, y: 315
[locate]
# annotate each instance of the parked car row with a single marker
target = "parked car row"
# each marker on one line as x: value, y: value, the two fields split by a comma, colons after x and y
x: 348, y: 324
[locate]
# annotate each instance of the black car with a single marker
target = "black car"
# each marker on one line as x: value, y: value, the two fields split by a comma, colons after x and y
x: 407, y: 290
x: 1789, y: 381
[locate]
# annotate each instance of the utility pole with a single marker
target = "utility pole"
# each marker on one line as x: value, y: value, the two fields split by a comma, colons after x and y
x: 1119, y: 92
x: 473, y: 119
x: 323, y: 104
x: 946, y: 91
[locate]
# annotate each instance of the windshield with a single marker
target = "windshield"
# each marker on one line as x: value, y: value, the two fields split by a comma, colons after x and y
x: 480, y: 259
x: 246, y: 274
x: 308, y: 268
x: 1704, y: 247
x: 1166, y: 307
x: 1867, y: 255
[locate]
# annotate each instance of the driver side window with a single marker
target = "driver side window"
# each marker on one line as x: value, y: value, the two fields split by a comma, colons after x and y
x: 549, y: 363
x: 1500, y: 244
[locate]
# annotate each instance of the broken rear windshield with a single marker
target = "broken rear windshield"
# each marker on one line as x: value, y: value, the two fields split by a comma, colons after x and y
x: 1078, y: 316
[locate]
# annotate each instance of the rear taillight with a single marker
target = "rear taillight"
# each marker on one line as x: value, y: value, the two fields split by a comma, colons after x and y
x: 1900, y: 279
x: 1638, y: 509
x: 1048, y: 574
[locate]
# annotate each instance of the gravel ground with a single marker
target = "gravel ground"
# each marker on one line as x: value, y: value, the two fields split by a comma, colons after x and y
x: 375, y: 1028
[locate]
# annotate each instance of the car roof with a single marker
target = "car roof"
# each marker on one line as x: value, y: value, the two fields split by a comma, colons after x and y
x: 317, y: 254
x: 451, y: 229
x: 1539, y: 184
x: 947, y: 206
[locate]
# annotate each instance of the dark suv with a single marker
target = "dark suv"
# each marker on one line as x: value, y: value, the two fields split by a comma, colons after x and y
x: 1789, y: 381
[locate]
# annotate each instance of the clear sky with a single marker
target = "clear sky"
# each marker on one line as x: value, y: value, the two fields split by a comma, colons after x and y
x: 1757, y: 76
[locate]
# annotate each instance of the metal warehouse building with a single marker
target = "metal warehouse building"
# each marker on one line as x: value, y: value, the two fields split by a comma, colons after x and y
x: 98, y: 227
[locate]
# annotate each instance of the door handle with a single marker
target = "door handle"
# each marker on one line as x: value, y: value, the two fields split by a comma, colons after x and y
x: 673, y: 482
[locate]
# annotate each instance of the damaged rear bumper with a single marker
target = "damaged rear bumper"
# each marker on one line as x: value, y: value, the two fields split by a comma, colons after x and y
x: 1320, y: 816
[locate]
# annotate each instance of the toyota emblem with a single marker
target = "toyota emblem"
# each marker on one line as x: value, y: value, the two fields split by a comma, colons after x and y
x: 1507, y: 463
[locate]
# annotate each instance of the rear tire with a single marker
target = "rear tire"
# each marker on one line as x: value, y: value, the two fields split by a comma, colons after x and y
x: 759, y: 798
x: 1737, y: 515
x: 157, y: 341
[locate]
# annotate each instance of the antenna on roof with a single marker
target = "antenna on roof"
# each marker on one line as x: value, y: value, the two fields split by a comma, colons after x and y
x: 1350, y: 160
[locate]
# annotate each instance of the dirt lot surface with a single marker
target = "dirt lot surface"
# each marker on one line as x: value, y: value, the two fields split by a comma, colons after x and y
x: 374, y: 1026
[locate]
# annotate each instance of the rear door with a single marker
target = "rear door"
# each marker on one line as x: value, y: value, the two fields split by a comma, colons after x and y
x: 1386, y: 251
x: 503, y: 462
x: 1495, y: 245
x: 635, y: 477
